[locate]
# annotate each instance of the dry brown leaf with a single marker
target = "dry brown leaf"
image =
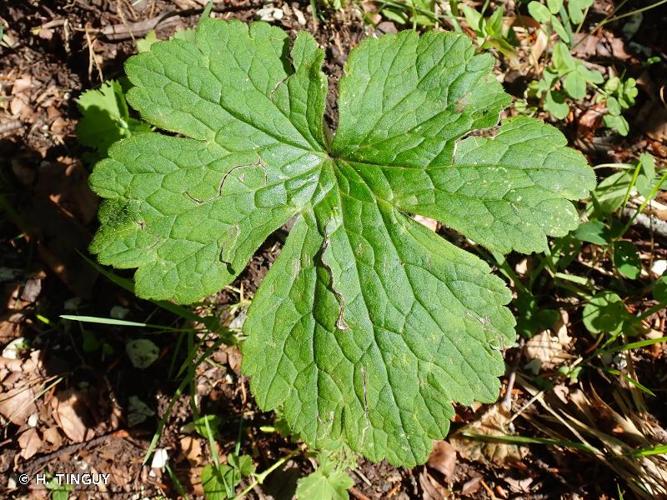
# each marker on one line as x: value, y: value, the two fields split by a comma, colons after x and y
x: 53, y: 437
x: 58, y: 126
x: 519, y: 485
x: 590, y: 120
x: 17, y: 106
x: 494, y: 422
x: 617, y: 46
x: 195, y: 481
x: 521, y: 21
x: 21, y: 84
x: 31, y: 289
x: 58, y: 237
x: 443, y: 459
x: 11, y: 326
x: 17, y: 404
x: 234, y: 359
x: 540, y: 45
x: 67, y: 406
x: 585, y: 46
x: 562, y: 392
x: 546, y: 350
x: 191, y: 449
x: 522, y: 267
x: 432, y: 490
x: 17, y: 393
x: 472, y: 486
x: 30, y: 443
x: 656, y: 124
x: 387, y: 27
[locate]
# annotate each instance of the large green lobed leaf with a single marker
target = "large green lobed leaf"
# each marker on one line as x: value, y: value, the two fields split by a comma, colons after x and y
x: 368, y: 326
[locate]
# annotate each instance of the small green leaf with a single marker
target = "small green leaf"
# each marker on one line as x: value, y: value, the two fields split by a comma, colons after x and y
x: 397, y: 15
x: 617, y: 123
x: 494, y: 25
x: 646, y: 180
x: 575, y: 85
x: 473, y: 18
x: 628, y: 93
x: 590, y: 76
x: 219, y: 483
x: 555, y: 104
x: 188, y: 35
x: 539, y: 12
x: 137, y: 411
x: 613, y: 106
x: 58, y: 489
x: 612, y: 85
x: 554, y: 6
x: 142, y: 352
x: 104, y: 116
x: 560, y: 29
x: 532, y: 317
x: 144, y: 44
x: 593, y: 232
x: 549, y: 77
x: 660, y: 290
x: 206, y: 422
x: 605, y: 313
x: 90, y: 342
x: 562, y: 59
x: 611, y: 191
x: 626, y: 259
x: 576, y: 9
x: 326, y: 483
x: 242, y: 463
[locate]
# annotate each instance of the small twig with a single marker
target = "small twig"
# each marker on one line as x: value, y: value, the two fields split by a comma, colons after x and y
x: 362, y: 476
x: 259, y: 478
x: 488, y: 489
x: 649, y: 222
x: 92, y: 60
x: 119, y: 9
x: 127, y: 31
x: 54, y: 24
x: 507, y: 399
x: 40, y: 462
x: 358, y: 494
x: 83, y: 5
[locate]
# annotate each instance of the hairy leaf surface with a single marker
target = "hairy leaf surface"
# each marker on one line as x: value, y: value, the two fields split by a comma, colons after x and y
x: 368, y: 326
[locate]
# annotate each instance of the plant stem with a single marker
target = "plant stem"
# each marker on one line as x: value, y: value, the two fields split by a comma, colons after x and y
x: 633, y: 12
x: 648, y: 199
x: 259, y: 478
x: 611, y: 17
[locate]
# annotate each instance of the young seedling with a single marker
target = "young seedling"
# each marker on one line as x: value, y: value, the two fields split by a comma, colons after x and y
x: 491, y: 32
x: 105, y: 117
x: 618, y: 95
x: 568, y: 78
x: 548, y: 16
x: 414, y: 12
x: 368, y: 325
x: 329, y: 480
